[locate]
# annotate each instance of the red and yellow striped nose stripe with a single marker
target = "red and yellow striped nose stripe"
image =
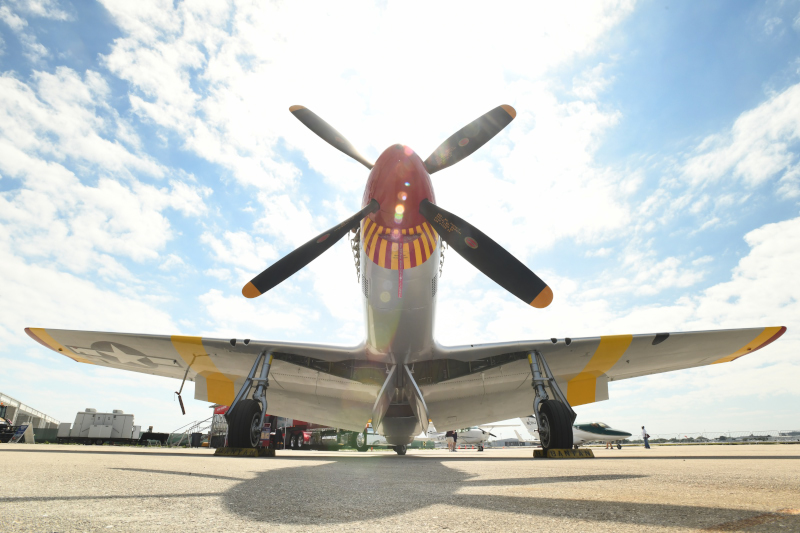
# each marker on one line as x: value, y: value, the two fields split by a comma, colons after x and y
x: 386, y: 254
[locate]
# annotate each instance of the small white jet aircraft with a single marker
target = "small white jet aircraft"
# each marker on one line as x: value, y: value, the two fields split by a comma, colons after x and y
x: 399, y: 376
x: 472, y: 436
x: 583, y: 433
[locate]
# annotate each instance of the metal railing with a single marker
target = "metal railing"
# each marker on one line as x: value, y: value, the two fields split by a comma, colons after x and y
x: 197, y: 426
x: 768, y: 435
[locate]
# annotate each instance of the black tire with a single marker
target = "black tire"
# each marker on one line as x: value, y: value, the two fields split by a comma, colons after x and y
x: 401, y: 449
x: 556, y: 428
x: 480, y: 448
x: 362, y: 437
x: 243, y: 430
x: 619, y: 446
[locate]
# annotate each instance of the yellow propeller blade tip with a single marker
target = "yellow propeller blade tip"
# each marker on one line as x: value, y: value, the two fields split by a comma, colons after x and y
x: 544, y: 298
x: 250, y: 291
x: 296, y: 108
x: 510, y: 110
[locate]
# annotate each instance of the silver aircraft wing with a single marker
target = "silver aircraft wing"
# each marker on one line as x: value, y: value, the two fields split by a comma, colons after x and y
x: 316, y: 383
x: 474, y: 384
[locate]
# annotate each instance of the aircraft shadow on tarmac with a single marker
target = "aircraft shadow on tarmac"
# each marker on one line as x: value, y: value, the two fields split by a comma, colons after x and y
x: 349, y: 489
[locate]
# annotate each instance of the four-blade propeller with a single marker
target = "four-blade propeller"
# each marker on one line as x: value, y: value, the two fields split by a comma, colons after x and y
x: 470, y: 242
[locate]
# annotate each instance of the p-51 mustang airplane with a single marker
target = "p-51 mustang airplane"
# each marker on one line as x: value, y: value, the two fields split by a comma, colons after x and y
x: 399, y: 377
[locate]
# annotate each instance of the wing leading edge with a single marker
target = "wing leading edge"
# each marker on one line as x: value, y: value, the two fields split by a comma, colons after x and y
x: 309, y: 382
x: 462, y: 385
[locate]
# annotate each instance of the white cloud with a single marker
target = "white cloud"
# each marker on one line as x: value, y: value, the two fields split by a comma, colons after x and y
x: 14, y: 21
x: 790, y: 183
x: 66, y: 117
x: 248, y: 255
x: 600, y: 252
x: 33, y: 49
x: 272, y: 318
x: 49, y: 9
x: 39, y: 295
x: 773, y: 25
x: 63, y: 121
x: 172, y: 261
x: 218, y: 76
x: 222, y: 274
x: 756, y: 148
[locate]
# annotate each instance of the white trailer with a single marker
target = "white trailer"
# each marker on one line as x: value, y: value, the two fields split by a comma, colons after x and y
x: 91, y: 427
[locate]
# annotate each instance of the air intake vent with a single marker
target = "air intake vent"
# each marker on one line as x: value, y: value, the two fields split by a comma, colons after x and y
x: 365, y: 287
x: 433, y: 287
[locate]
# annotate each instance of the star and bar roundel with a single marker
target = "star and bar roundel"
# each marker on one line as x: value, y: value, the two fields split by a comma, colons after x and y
x: 383, y: 248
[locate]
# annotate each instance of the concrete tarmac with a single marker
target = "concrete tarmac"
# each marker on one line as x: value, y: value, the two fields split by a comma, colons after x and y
x: 677, y: 488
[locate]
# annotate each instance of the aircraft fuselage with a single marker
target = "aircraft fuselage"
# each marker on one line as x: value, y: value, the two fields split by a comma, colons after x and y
x: 399, y: 259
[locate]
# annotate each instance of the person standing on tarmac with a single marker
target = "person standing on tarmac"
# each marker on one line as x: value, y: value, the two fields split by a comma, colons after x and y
x: 455, y: 440
x: 449, y: 438
x: 646, y: 438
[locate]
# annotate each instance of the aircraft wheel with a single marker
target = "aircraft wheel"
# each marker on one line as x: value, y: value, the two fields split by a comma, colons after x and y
x: 243, y: 430
x: 555, y: 431
x: 401, y: 449
x: 361, y: 441
x: 575, y: 447
x: 619, y: 446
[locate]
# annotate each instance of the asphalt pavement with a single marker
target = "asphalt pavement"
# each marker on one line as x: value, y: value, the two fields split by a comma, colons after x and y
x: 64, y: 488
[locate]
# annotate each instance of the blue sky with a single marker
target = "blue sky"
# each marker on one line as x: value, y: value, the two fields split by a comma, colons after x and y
x: 149, y: 167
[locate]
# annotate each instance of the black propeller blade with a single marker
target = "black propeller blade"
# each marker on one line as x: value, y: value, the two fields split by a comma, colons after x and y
x: 327, y: 133
x: 469, y: 138
x: 302, y: 256
x: 488, y: 256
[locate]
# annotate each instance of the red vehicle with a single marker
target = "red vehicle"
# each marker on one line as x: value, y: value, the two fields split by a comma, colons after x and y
x: 300, y: 435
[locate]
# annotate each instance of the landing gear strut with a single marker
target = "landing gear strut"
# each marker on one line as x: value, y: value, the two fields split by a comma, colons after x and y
x: 554, y: 417
x: 245, y: 416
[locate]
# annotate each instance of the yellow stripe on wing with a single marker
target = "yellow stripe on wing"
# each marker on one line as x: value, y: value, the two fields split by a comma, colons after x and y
x: 582, y: 388
x: 56, y: 346
x: 219, y: 387
x: 751, y: 346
